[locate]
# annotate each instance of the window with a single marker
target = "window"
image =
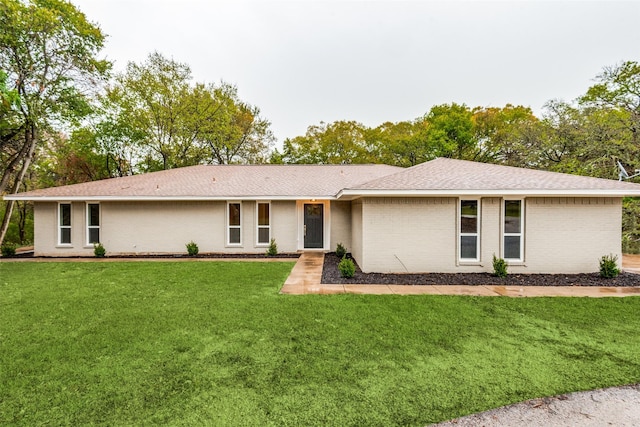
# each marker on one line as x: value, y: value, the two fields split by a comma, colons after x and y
x: 93, y: 223
x: 264, y: 223
x: 64, y: 223
x: 234, y: 232
x: 469, y: 226
x: 513, y: 230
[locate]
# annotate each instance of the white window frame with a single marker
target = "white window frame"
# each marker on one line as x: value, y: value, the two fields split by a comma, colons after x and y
x: 259, y: 227
x: 88, y: 223
x: 229, y: 226
x: 520, y: 234
x: 60, y: 226
x: 476, y: 234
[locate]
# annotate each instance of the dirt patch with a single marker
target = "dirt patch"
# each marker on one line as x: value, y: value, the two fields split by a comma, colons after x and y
x: 330, y: 274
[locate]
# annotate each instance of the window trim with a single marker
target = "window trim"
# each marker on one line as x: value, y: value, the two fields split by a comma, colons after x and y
x: 476, y: 234
x: 60, y: 226
x: 258, y: 226
x: 88, y: 219
x: 520, y: 234
x: 229, y: 226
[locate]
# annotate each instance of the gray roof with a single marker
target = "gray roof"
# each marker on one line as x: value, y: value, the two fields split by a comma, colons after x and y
x: 221, y: 182
x: 449, y: 176
x: 439, y: 177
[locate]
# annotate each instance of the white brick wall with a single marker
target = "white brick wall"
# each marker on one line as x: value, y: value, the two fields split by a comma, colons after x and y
x: 284, y: 225
x: 357, y: 229
x: 408, y: 235
x: 561, y: 235
x: 340, y: 225
x: 569, y: 235
x: 490, y: 231
x: 163, y: 227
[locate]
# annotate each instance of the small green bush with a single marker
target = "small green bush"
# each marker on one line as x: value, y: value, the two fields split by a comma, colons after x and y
x: 273, y: 248
x: 347, y: 268
x: 341, y: 251
x: 8, y: 249
x: 98, y: 250
x: 192, y: 248
x: 499, y: 267
x: 609, y: 266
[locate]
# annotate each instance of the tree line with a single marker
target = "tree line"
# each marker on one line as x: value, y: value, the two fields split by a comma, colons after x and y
x: 585, y: 137
x: 66, y: 117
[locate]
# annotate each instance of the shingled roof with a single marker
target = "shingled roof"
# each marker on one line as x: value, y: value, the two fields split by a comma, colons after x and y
x: 444, y: 176
x: 439, y: 177
x: 210, y: 182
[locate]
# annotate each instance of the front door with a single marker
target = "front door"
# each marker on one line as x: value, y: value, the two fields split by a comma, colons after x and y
x: 313, y: 226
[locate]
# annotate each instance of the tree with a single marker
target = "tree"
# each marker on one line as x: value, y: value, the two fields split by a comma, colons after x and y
x: 618, y: 88
x: 508, y: 135
x: 399, y: 144
x: 48, y: 50
x: 158, y: 119
x: 613, y: 105
x: 73, y: 159
x: 9, y: 103
x: 149, y: 103
x: 338, y: 142
x: 232, y: 131
x: 450, y: 132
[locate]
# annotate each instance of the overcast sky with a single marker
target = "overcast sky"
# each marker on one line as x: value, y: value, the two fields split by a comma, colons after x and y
x: 302, y: 62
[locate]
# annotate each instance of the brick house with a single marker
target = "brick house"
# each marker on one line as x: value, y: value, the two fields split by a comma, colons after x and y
x: 439, y: 216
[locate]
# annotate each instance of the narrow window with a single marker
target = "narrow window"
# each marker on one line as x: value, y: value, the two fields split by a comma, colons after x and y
x: 93, y: 223
x: 264, y: 223
x: 513, y: 230
x: 64, y: 223
x: 234, y: 224
x: 469, y: 226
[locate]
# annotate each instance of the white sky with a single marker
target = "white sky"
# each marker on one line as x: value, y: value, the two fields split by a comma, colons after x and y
x: 305, y: 62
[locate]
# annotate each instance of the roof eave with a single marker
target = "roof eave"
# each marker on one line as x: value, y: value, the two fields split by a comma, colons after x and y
x: 354, y: 194
x: 18, y: 197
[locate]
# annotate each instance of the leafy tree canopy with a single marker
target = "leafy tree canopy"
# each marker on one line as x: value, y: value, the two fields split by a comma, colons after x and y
x: 48, y: 51
x: 156, y: 118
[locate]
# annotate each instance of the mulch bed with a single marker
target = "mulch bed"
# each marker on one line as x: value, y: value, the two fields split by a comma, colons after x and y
x: 330, y: 274
x: 174, y: 256
x: 210, y: 255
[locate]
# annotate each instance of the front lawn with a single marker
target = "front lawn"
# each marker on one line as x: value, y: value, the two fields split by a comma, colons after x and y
x: 196, y: 343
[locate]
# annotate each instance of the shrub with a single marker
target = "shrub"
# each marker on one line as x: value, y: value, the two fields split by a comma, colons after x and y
x: 499, y: 266
x: 609, y: 266
x: 98, y: 250
x: 8, y: 249
x: 347, y: 268
x: 341, y: 251
x: 273, y: 248
x: 192, y: 248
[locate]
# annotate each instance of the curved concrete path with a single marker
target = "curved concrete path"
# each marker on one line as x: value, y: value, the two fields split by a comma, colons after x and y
x: 306, y: 276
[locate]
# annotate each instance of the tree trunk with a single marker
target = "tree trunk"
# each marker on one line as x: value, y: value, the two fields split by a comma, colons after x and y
x: 31, y: 138
x: 23, y: 210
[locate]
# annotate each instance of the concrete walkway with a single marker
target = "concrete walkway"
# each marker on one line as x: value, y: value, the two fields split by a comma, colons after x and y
x: 306, y: 276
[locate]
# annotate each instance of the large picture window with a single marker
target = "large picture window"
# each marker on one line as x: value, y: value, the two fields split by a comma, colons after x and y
x: 513, y: 225
x: 93, y: 223
x: 64, y: 223
x: 469, y: 230
x: 234, y: 223
x: 264, y: 223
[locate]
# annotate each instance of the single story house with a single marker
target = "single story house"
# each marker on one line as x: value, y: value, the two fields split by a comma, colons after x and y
x: 439, y: 216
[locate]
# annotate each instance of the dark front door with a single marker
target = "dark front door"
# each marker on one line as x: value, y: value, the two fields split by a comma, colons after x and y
x: 313, y: 226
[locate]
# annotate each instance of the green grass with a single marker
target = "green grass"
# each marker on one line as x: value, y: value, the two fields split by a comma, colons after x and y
x: 193, y: 343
